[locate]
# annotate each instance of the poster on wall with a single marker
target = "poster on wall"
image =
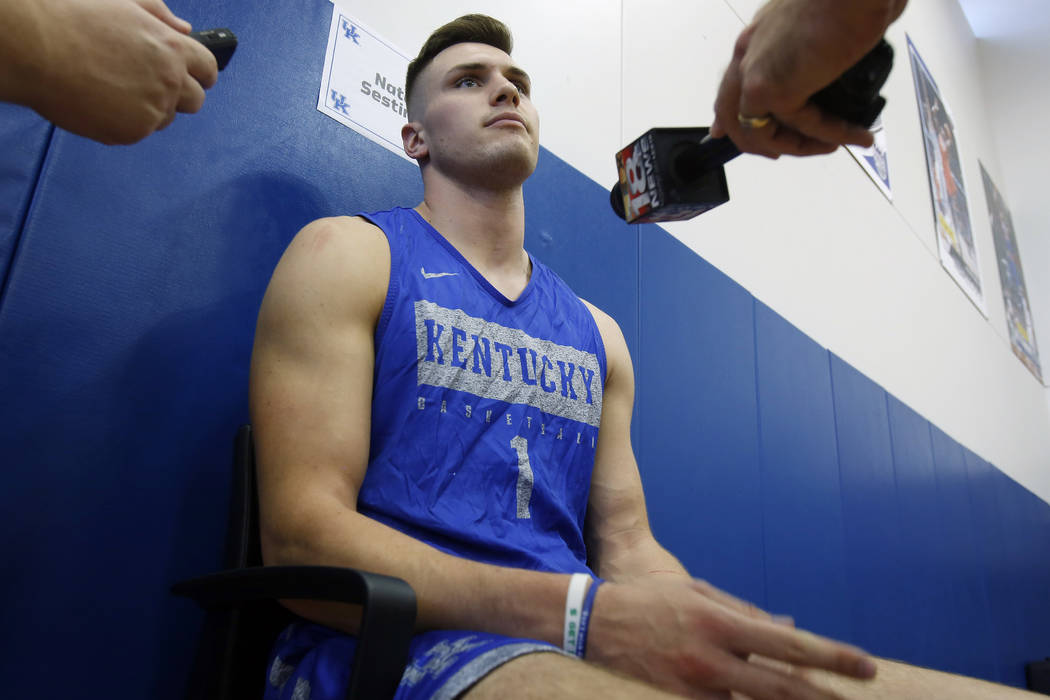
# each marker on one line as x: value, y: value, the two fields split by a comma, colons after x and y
x: 362, y: 85
x: 1015, y: 295
x: 875, y: 160
x: 955, y: 238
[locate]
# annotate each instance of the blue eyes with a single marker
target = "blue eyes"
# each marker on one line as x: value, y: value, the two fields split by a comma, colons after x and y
x: 471, y: 82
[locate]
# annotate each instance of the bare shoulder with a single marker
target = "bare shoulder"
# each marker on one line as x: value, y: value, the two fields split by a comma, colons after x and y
x: 329, y: 249
x: 616, y: 353
x: 333, y: 266
x: 607, y: 325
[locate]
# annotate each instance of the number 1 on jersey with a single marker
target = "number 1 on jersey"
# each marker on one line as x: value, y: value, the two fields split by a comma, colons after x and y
x: 524, y: 489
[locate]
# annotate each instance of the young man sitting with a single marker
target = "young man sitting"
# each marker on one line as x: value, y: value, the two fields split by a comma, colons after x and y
x: 433, y: 403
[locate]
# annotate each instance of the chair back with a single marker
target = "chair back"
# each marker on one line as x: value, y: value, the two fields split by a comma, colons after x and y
x: 235, y: 645
x: 243, y: 546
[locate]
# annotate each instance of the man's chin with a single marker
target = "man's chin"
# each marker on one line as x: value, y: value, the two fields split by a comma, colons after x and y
x: 495, y: 168
x: 508, y: 169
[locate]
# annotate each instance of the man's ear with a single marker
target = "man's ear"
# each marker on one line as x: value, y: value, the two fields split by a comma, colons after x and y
x: 414, y: 142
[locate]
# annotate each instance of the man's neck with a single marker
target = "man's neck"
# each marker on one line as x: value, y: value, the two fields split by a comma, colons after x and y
x: 486, y: 226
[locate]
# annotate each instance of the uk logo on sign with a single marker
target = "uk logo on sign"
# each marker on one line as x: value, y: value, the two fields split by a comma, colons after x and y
x: 339, y: 102
x: 350, y: 31
x: 362, y: 86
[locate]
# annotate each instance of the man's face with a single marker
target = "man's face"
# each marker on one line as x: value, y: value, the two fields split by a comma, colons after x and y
x: 478, y: 122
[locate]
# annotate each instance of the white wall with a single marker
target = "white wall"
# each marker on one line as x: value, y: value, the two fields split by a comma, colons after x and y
x: 1015, y: 60
x: 811, y: 238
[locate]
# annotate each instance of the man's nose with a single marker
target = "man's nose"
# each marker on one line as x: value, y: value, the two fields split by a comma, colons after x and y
x: 507, y: 92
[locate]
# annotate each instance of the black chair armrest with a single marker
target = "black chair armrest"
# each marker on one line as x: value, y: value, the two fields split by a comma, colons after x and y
x: 387, y: 620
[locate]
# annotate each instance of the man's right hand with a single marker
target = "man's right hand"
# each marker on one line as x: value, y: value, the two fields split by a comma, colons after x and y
x: 111, y: 70
x: 690, y: 638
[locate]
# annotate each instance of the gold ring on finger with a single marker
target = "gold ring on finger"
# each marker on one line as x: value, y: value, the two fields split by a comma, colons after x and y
x: 753, y: 122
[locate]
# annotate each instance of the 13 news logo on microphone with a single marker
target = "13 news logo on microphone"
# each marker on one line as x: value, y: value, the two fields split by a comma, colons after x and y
x: 638, y: 184
x: 670, y: 174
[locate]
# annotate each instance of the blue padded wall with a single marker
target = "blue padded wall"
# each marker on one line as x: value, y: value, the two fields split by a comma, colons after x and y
x: 969, y: 629
x: 922, y: 537
x: 1033, y: 573
x: 870, y: 513
x: 1009, y: 580
x: 801, y: 499
x: 132, y: 281
x: 126, y: 327
x: 697, y: 413
x: 1025, y: 567
x: 23, y: 141
x: 988, y: 541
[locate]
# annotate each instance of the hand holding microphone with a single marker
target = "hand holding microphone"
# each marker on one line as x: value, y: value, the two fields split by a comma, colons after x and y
x: 792, y: 49
x: 675, y: 174
x: 110, y: 70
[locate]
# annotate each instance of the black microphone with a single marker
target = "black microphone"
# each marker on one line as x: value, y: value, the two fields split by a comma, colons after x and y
x: 672, y: 174
x: 221, y: 42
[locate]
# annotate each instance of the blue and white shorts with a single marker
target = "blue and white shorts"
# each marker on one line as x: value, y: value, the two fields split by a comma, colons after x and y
x: 312, y: 662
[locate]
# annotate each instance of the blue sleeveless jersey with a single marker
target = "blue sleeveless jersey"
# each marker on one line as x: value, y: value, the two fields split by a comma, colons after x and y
x: 485, y: 411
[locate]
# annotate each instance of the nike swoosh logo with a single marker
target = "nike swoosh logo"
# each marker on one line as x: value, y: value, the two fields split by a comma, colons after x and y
x: 432, y: 275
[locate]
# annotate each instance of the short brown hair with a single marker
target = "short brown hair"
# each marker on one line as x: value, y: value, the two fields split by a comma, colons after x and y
x: 480, y: 29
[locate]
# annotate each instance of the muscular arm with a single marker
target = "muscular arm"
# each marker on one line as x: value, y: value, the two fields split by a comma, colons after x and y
x: 620, y: 545
x: 111, y: 70
x: 311, y: 390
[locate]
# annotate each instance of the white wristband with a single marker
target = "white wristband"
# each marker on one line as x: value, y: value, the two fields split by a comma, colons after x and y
x: 573, y: 608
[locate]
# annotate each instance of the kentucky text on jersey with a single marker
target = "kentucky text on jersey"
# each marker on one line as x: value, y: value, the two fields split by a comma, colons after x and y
x: 486, y: 359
